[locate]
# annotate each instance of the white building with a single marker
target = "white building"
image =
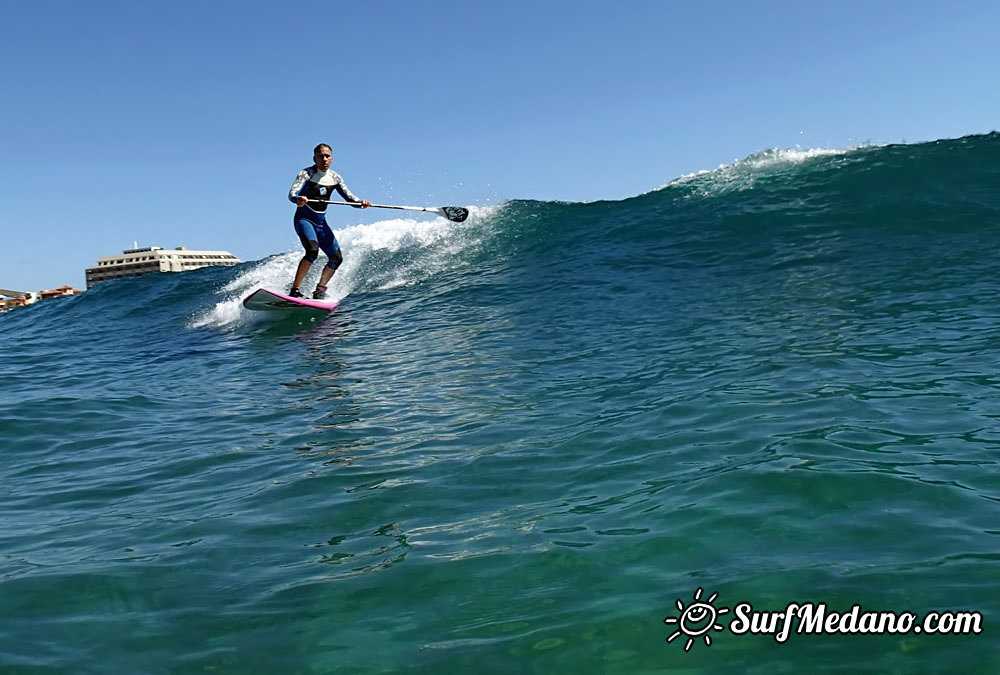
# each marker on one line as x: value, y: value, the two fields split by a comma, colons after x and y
x: 135, y: 262
x: 10, y: 299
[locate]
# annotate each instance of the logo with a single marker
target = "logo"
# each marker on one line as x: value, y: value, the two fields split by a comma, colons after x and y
x: 696, y: 620
x: 322, y: 192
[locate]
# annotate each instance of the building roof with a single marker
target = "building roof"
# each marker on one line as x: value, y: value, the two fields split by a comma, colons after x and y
x: 156, y: 252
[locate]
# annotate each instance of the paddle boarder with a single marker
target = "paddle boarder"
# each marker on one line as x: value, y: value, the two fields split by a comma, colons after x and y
x: 311, y: 187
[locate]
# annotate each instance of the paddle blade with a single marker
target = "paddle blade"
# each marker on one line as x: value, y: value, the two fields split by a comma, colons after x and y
x: 455, y: 214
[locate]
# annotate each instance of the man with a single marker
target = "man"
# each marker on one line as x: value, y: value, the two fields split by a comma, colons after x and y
x: 318, y: 182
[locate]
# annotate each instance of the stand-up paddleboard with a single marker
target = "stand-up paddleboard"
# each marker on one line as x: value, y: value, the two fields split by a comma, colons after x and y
x: 271, y: 301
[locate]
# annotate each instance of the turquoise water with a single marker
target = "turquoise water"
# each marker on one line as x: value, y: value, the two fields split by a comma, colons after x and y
x: 521, y: 440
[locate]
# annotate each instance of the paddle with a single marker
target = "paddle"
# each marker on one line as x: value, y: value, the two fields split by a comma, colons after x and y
x: 455, y: 214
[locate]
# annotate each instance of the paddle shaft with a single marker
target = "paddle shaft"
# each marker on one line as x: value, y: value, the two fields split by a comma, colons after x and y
x: 455, y: 214
x: 377, y: 206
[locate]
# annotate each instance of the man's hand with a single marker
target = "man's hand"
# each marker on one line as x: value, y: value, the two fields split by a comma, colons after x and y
x: 301, y: 201
x: 365, y: 203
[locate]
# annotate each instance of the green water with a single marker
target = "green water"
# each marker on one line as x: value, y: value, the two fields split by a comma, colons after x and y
x: 521, y: 440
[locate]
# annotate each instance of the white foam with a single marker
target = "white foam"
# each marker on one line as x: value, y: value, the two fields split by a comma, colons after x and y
x: 274, y: 272
x: 780, y: 156
x: 759, y: 161
x: 439, y: 245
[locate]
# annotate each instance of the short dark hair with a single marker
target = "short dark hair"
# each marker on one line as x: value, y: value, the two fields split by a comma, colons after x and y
x: 322, y: 145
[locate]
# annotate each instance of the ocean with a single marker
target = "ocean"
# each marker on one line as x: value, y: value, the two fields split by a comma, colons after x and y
x: 599, y: 437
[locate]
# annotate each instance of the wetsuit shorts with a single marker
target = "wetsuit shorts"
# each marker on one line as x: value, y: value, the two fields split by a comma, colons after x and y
x: 314, y: 232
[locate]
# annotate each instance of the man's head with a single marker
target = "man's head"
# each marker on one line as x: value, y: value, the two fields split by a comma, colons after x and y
x: 322, y: 155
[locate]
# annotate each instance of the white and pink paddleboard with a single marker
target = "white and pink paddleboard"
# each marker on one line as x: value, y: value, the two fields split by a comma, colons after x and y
x: 272, y: 301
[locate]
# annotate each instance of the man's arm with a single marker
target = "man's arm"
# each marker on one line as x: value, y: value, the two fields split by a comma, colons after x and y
x: 350, y: 196
x: 300, y: 180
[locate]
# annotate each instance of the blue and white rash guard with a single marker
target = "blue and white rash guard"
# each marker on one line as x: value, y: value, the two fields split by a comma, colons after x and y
x: 312, y: 183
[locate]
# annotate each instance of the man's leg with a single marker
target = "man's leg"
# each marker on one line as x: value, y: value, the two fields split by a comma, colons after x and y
x: 325, y: 276
x: 301, y: 272
x: 331, y: 248
x: 307, y: 235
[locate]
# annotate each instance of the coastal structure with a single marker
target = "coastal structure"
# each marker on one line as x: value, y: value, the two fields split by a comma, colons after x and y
x: 11, y: 299
x: 135, y: 262
x: 59, y: 292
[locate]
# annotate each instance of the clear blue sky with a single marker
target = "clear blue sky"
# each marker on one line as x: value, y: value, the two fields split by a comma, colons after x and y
x: 184, y: 122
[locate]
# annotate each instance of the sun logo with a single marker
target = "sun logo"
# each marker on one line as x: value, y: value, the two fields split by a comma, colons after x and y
x: 696, y: 620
